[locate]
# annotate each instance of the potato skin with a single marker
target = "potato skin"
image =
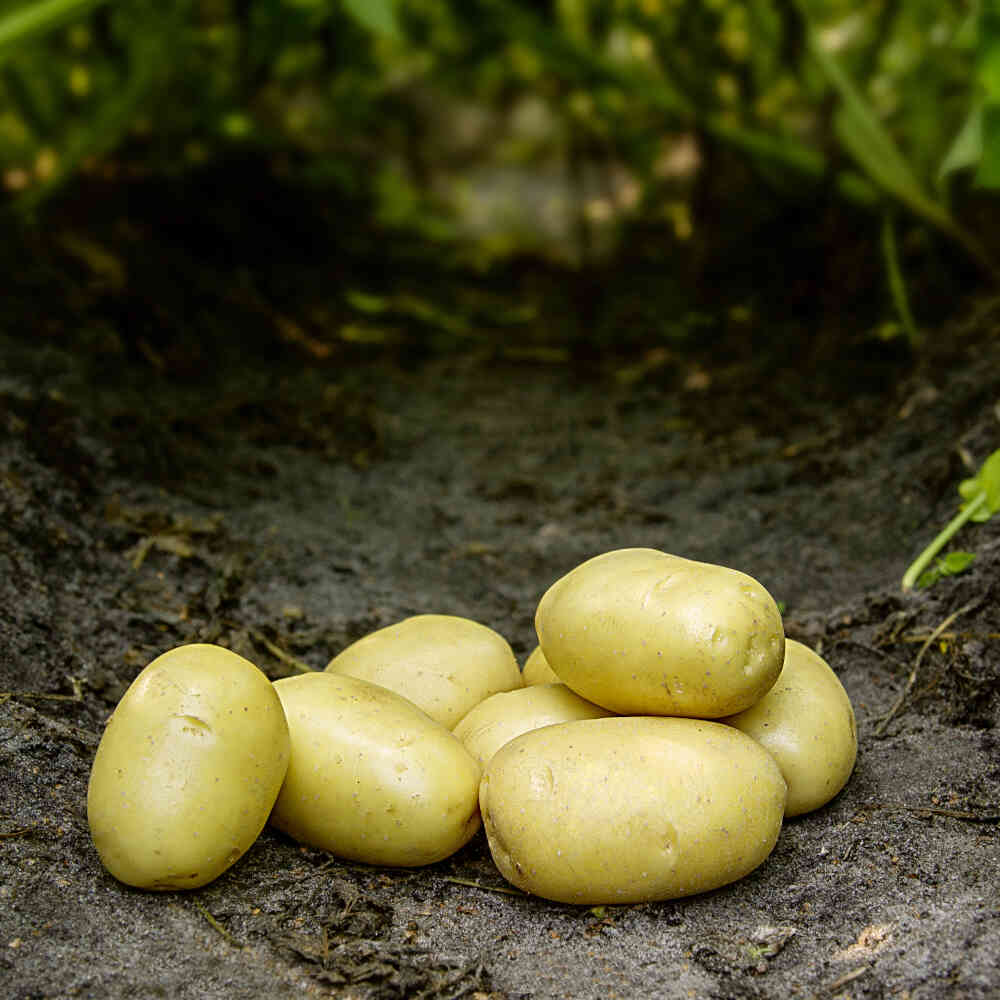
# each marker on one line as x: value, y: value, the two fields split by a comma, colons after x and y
x: 537, y: 670
x: 444, y: 664
x: 187, y: 769
x: 641, y: 632
x: 371, y: 777
x: 627, y: 810
x: 806, y: 722
x: 502, y: 717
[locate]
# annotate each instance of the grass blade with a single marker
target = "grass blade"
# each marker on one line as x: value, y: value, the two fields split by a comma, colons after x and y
x: 897, y: 283
x: 36, y: 18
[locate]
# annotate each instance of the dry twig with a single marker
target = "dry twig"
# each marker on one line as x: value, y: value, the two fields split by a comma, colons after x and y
x: 912, y: 680
x: 478, y: 885
x: 275, y: 650
x: 215, y: 925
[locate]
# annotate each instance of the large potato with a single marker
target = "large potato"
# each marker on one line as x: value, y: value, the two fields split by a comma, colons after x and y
x: 371, y: 777
x: 806, y: 723
x: 187, y: 769
x: 501, y: 717
x: 641, y: 632
x: 442, y: 663
x: 628, y: 810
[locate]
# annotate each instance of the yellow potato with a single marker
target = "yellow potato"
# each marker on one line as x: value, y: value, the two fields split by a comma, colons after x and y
x: 806, y: 723
x: 628, y: 810
x: 641, y: 632
x: 501, y: 717
x: 537, y: 670
x: 371, y: 777
x: 443, y: 664
x: 187, y: 769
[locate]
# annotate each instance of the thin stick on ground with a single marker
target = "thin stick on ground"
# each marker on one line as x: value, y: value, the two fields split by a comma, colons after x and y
x: 985, y: 815
x: 847, y: 977
x: 472, y: 883
x: 23, y: 832
x: 215, y: 925
x: 274, y: 649
x: 912, y: 680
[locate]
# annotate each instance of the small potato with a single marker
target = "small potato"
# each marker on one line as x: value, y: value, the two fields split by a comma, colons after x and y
x: 443, y: 664
x: 641, y: 632
x: 501, y: 717
x: 806, y: 723
x: 371, y: 777
x: 537, y: 670
x: 187, y: 770
x: 629, y: 810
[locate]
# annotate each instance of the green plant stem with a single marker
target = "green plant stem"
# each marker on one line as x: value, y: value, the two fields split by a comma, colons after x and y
x: 923, y: 560
x: 897, y: 283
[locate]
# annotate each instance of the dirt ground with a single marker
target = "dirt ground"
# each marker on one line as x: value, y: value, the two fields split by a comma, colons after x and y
x: 284, y: 502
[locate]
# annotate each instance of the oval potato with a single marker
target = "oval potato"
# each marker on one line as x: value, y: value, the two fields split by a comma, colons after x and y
x: 628, y: 810
x: 371, y: 777
x: 537, y: 670
x: 187, y: 769
x: 503, y: 716
x: 641, y: 632
x: 444, y: 664
x: 807, y: 724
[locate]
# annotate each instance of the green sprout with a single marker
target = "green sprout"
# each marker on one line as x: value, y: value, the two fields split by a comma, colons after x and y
x: 948, y: 565
x: 981, y: 495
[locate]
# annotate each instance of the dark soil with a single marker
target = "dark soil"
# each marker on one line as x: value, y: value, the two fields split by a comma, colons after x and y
x: 190, y: 451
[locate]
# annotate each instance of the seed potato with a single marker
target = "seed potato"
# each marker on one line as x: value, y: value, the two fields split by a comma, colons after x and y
x: 806, y: 723
x: 501, y: 717
x: 444, y: 664
x: 641, y: 632
x: 627, y: 810
x: 537, y: 670
x: 371, y: 777
x: 187, y: 769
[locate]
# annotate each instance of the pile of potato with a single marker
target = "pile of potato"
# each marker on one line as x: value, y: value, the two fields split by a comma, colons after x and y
x: 657, y: 738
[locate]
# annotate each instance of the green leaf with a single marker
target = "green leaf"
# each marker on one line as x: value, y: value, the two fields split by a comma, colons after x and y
x: 378, y: 16
x: 363, y: 302
x: 989, y: 477
x: 967, y: 148
x: 988, y: 174
x: 988, y: 56
x: 864, y: 136
x: 30, y: 19
x: 949, y: 565
x: 955, y: 562
x: 986, y: 481
x: 574, y: 16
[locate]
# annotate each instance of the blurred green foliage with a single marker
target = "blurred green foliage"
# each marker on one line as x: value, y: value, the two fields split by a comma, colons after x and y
x: 889, y: 103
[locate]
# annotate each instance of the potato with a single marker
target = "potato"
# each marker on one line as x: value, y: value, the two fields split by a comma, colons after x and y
x: 537, y: 670
x: 628, y: 810
x: 443, y: 664
x: 641, y: 632
x: 806, y: 723
x: 371, y: 777
x: 187, y: 770
x: 501, y: 717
